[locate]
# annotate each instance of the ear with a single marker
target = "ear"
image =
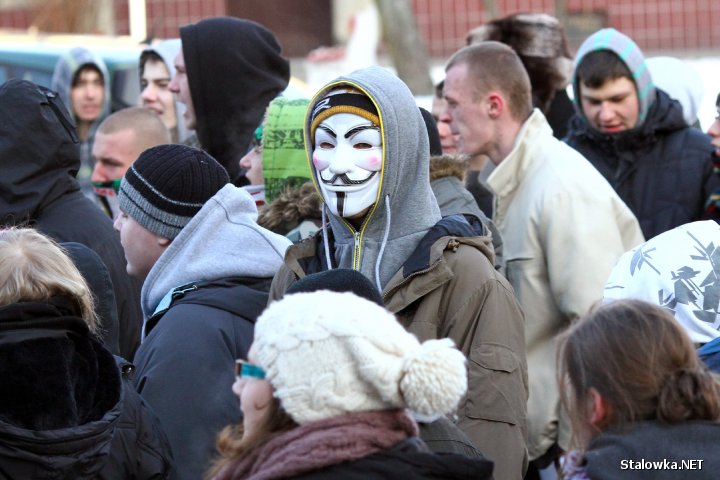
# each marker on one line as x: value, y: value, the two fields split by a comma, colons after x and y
x: 496, y: 104
x: 163, y: 242
x: 599, y: 409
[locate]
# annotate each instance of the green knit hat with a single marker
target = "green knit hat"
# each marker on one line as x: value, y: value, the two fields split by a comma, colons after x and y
x: 284, y: 160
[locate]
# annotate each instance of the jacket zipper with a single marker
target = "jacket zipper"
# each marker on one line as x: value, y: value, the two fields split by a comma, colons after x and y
x: 356, y: 252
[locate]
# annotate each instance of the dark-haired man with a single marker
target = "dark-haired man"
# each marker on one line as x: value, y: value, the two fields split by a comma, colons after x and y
x: 635, y: 135
x: 80, y: 78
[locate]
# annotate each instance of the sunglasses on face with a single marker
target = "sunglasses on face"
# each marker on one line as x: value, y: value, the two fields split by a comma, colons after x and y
x: 244, y: 369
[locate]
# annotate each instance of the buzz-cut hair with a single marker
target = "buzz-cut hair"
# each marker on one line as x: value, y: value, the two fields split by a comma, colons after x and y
x: 149, y: 129
x: 495, y: 66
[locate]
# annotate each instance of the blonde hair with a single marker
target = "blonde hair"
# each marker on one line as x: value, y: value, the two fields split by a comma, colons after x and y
x: 35, y: 268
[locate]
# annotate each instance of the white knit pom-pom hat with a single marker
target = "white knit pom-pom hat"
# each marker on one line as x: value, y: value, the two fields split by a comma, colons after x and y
x: 329, y: 353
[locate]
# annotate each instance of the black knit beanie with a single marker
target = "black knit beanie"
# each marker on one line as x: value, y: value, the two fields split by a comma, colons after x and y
x: 167, y: 185
x: 338, y: 280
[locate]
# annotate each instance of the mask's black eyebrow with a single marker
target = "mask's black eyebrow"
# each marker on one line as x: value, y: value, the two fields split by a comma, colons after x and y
x: 359, y: 129
x: 327, y: 130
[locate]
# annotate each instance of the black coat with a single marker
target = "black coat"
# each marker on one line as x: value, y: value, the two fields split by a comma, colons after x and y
x: 407, y: 460
x: 67, y: 406
x: 185, y: 365
x: 39, y: 159
x: 662, y: 170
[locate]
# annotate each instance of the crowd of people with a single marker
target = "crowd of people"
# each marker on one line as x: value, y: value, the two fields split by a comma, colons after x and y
x: 223, y: 282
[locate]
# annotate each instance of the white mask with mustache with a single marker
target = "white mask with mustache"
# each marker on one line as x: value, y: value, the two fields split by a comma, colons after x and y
x: 348, y: 161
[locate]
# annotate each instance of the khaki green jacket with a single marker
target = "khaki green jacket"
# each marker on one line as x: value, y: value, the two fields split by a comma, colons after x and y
x: 449, y: 288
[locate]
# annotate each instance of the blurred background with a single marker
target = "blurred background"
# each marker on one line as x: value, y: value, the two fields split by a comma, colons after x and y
x: 325, y: 38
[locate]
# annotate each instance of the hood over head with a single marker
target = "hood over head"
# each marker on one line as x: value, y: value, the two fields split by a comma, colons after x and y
x: 678, y: 270
x: 234, y: 69
x: 39, y: 155
x: 98, y: 279
x: 222, y: 240
x: 681, y: 81
x: 65, y: 71
x: 405, y: 208
x: 628, y: 51
x: 168, y: 50
x: 65, y: 420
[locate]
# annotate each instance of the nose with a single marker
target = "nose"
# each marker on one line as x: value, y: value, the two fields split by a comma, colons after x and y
x: 445, y: 116
x: 606, y: 112
x: 173, y: 86
x: 443, y: 129
x: 238, y: 386
x: 148, y: 93
x: 117, y: 224
x: 714, y: 130
x: 341, y: 162
x: 245, y: 161
x: 98, y: 174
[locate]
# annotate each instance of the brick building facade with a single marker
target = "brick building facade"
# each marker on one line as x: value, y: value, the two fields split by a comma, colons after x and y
x: 668, y: 25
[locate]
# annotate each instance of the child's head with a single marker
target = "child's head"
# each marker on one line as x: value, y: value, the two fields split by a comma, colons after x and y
x: 629, y: 361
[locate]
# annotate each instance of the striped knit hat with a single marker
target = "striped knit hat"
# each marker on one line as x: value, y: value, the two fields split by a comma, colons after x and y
x: 168, y: 185
x: 338, y: 101
x: 630, y: 54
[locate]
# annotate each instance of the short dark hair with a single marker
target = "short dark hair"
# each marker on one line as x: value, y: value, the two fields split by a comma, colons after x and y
x: 599, y: 66
x: 83, y: 68
x: 148, y: 55
x: 439, y: 89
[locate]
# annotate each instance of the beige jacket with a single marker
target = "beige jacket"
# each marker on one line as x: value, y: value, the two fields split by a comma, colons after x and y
x: 563, y: 228
x: 449, y: 288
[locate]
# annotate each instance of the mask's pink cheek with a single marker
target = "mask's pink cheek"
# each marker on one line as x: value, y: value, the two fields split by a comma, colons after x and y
x: 318, y: 162
x: 374, y: 163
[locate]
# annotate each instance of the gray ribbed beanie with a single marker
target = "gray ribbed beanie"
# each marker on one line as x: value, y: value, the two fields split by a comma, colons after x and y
x: 168, y: 185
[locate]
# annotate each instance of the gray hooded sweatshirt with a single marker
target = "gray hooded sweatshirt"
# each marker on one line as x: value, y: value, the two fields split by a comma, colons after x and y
x: 185, y: 363
x: 167, y: 50
x: 406, y: 207
x: 65, y: 71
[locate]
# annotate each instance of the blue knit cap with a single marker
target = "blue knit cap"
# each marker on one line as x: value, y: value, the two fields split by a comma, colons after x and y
x: 630, y: 54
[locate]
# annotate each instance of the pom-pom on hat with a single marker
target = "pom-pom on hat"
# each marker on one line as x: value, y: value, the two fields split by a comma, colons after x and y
x: 329, y: 353
x: 168, y: 185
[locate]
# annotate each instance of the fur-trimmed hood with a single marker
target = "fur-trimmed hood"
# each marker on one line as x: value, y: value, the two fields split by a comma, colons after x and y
x: 60, y: 392
x: 291, y: 208
x: 448, y: 166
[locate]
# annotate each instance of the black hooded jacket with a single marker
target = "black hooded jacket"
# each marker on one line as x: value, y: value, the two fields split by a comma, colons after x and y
x: 98, y: 279
x: 234, y: 69
x: 662, y: 169
x: 68, y: 409
x: 409, y: 459
x: 39, y: 158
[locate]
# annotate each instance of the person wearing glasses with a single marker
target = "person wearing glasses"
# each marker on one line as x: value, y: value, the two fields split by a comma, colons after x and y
x: 326, y: 367
x: 119, y: 141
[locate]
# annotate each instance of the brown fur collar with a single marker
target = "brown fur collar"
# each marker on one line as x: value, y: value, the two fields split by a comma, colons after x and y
x: 292, y: 207
x: 448, y: 166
